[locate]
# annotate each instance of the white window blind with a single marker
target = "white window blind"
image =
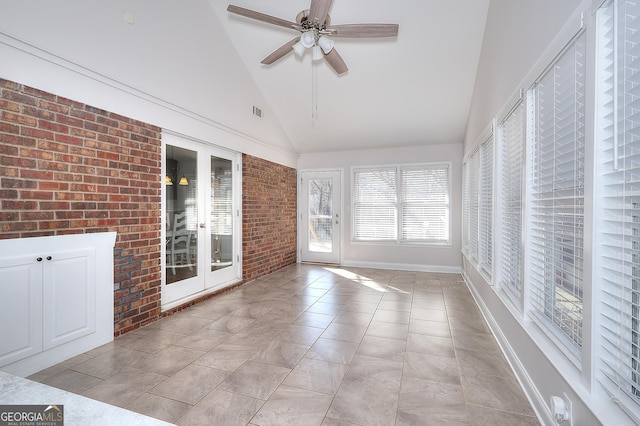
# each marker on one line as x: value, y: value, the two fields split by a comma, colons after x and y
x: 555, y: 245
x: 402, y: 203
x: 512, y: 139
x: 375, y: 204
x: 486, y: 207
x: 474, y: 205
x: 425, y: 203
x: 619, y: 187
x: 466, y: 206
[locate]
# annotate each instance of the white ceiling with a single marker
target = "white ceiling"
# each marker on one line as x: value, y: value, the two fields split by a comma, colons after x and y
x: 412, y: 89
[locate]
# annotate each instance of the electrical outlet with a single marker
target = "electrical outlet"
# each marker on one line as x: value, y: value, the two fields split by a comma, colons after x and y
x: 561, y: 409
x: 569, y: 409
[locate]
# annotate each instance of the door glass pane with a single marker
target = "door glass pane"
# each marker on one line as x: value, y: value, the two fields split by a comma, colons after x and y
x: 181, y: 214
x: 221, y: 213
x: 320, y: 215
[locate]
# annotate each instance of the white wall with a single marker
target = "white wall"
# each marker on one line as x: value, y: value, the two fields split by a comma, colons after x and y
x: 515, y: 48
x: 410, y: 257
x: 174, y: 67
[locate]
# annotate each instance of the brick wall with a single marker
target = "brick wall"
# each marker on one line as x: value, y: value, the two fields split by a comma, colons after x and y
x: 68, y: 168
x: 269, y: 202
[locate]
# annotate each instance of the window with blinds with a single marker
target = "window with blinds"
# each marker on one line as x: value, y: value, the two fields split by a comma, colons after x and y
x: 556, y: 215
x: 512, y: 132
x: 466, y: 206
x: 424, y: 209
x: 485, y: 237
x: 474, y: 205
x: 618, y: 155
x: 375, y: 202
x: 402, y: 203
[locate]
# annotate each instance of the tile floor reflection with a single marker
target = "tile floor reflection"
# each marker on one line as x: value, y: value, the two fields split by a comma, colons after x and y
x: 311, y: 345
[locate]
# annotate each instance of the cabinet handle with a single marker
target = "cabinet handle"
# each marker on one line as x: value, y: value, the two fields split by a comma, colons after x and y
x: 39, y: 259
x: 49, y: 258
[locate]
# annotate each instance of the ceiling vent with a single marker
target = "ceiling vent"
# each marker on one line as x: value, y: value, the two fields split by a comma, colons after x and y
x: 257, y: 111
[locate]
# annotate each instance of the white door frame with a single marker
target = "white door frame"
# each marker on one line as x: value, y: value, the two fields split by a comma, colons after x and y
x: 304, y: 255
x: 205, y: 281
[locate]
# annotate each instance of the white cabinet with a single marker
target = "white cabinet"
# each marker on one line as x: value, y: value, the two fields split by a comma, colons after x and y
x: 56, y: 299
x: 20, y: 308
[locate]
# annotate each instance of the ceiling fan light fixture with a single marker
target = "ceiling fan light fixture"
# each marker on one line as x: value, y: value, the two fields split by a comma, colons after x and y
x: 308, y: 39
x: 299, y: 49
x: 316, y: 53
x: 326, y: 44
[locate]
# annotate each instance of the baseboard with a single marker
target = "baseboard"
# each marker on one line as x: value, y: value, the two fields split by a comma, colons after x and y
x: 404, y: 267
x: 538, y: 404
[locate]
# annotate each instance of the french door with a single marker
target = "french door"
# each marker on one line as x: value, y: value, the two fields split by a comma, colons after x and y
x: 201, y: 205
x: 320, y: 216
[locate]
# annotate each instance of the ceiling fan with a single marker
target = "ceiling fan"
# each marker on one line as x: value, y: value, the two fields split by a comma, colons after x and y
x: 315, y: 27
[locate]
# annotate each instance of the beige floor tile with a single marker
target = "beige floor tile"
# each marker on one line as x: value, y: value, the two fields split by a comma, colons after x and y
x: 281, y: 353
x: 364, y: 405
x: 312, y: 319
x: 289, y: 406
x: 190, y: 384
x: 375, y: 372
x: 500, y: 393
x: 317, y: 375
x: 227, y: 357
x: 72, y: 381
x: 159, y: 407
x: 255, y: 379
x: 395, y: 317
x: 429, y: 399
x: 430, y: 328
x: 483, y: 416
x: 345, y: 332
x: 431, y: 367
x: 333, y: 350
x: 124, y: 387
x: 311, y: 345
x: 222, y: 408
x: 388, y: 330
x: 382, y: 347
x: 426, y: 344
x: 109, y: 363
x: 168, y: 361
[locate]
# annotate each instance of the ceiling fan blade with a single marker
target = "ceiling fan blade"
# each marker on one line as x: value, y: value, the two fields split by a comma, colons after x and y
x: 280, y: 52
x: 364, y: 30
x: 260, y: 16
x: 319, y: 10
x: 335, y: 60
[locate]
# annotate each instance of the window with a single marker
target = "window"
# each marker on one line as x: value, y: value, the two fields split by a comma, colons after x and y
x: 466, y: 206
x: 408, y: 203
x: 477, y: 205
x: 486, y: 207
x: 618, y: 151
x: 471, y: 206
x: 556, y: 220
x: 512, y: 142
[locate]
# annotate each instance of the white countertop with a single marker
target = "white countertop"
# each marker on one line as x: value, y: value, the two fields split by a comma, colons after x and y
x: 78, y: 410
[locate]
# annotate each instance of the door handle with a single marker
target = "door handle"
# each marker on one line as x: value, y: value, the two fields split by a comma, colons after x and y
x: 203, y: 225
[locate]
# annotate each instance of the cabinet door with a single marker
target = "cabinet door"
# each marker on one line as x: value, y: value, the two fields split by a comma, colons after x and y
x: 20, y: 308
x: 68, y: 297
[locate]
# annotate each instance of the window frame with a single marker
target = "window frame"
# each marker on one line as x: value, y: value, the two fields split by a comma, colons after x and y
x: 398, y: 204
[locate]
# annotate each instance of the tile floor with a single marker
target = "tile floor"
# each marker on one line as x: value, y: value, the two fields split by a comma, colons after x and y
x: 311, y: 345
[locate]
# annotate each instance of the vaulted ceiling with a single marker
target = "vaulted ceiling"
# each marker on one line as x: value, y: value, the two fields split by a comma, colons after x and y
x: 407, y: 90
x: 197, y: 58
